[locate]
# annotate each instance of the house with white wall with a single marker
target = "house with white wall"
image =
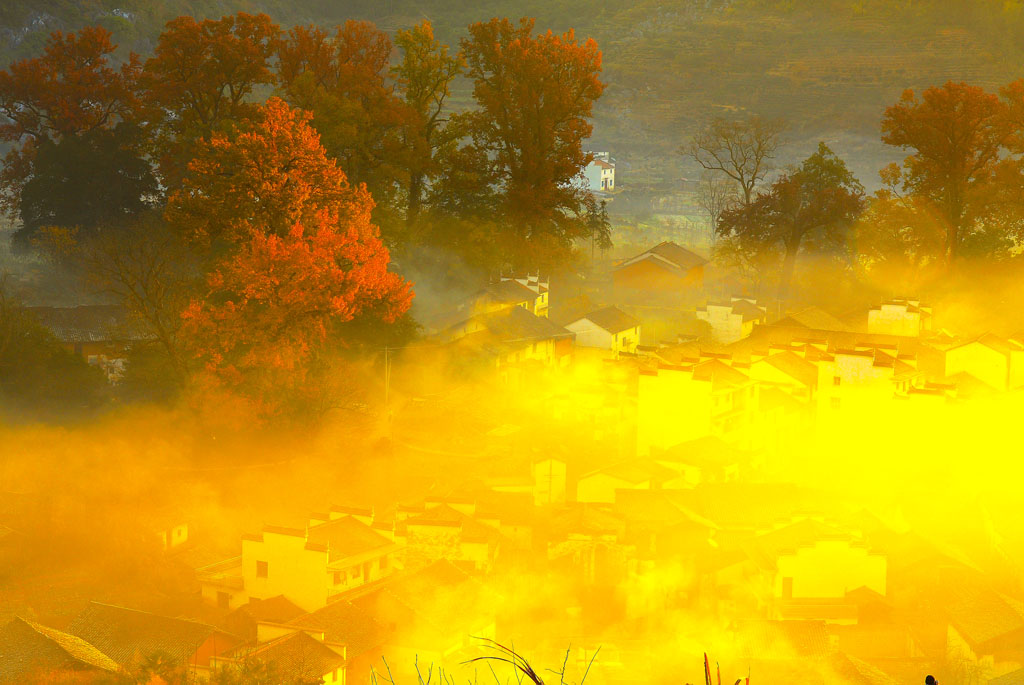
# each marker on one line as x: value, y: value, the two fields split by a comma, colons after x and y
x: 609, y: 328
x: 733, y: 320
x: 600, y: 172
x: 308, y: 566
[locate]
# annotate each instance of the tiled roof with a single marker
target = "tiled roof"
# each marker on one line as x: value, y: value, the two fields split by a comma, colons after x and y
x: 508, y: 292
x: 784, y: 640
x: 279, y: 609
x: 344, y: 623
x: 1011, y: 678
x: 795, y: 367
x: 612, y: 319
x: 815, y: 318
x: 86, y: 323
x: 678, y: 255
x: 297, y: 655
x: 347, y: 537
x: 854, y: 671
x: 720, y: 374
x: 981, y: 615
x: 126, y: 635
x: 27, y: 647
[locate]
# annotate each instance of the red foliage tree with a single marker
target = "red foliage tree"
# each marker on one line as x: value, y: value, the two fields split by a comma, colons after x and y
x: 200, y: 78
x: 297, y: 253
x: 70, y: 90
x: 535, y: 95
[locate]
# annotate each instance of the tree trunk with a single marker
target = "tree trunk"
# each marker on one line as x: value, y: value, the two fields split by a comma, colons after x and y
x: 788, y: 265
x: 415, y: 199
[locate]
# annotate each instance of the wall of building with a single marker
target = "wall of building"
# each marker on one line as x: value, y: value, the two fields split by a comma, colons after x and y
x: 830, y: 569
x: 297, y: 573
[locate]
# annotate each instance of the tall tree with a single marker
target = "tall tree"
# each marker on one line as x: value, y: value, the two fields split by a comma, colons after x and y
x: 956, y: 133
x: 297, y: 254
x: 815, y: 204
x: 742, y: 149
x: 67, y: 101
x: 715, y: 194
x: 201, y: 77
x: 535, y: 95
x: 424, y: 77
x: 344, y: 81
x: 270, y: 171
x: 92, y: 181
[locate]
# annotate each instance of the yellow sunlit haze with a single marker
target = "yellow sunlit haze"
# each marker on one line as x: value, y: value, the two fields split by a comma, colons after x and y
x: 349, y: 346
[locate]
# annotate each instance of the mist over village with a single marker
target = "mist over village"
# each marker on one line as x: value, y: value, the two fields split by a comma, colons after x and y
x: 369, y: 342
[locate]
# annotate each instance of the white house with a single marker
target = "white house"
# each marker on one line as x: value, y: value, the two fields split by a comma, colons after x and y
x: 733, y: 320
x: 600, y: 172
x: 900, y: 317
x: 607, y: 329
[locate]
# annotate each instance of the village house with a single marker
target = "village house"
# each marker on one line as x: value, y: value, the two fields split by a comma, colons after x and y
x: 733, y: 320
x: 295, y: 656
x: 100, y: 334
x: 678, y: 403
x: 607, y: 329
x: 813, y: 566
x: 600, y: 172
x: 528, y: 292
x: 30, y: 652
x: 703, y: 460
x: 666, y: 267
x: 441, y: 531
x: 511, y: 336
x: 601, y: 484
x: 433, y: 617
x: 585, y: 541
x: 335, y: 553
x: 900, y: 317
x: 129, y: 637
x: 997, y: 362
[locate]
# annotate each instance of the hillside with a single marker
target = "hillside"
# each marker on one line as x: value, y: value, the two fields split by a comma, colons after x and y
x: 828, y: 67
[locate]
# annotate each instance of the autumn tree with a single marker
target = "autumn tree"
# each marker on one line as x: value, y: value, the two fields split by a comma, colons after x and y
x: 599, y: 226
x: 955, y: 133
x: 201, y: 78
x: 270, y: 171
x: 294, y: 253
x: 59, y: 112
x: 92, y: 181
x: 343, y: 79
x: 900, y: 241
x: 715, y: 194
x: 740, y: 149
x: 424, y: 76
x: 534, y: 96
x: 814, y: 205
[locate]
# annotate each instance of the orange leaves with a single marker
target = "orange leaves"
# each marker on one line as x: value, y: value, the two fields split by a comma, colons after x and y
x: 267, y: 176
x: 70, y: 89
x: 201, y: 76
x: 956, y: 133
x: 295, y: 253
x: 536, y: 94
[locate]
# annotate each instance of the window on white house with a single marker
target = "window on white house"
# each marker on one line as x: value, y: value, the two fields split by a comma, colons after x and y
x: 261, y: 569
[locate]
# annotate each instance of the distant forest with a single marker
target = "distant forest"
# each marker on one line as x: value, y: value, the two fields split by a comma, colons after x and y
x: 827, y: 66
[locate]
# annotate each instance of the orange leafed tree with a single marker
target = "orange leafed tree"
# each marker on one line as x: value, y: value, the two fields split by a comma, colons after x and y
x: 70, y: 90
x: 343, y: 80
x: 535, y: 95
x: 296, y: 254
x: 956, y: 133
x: 201, y: 77
x: 271, y: 172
